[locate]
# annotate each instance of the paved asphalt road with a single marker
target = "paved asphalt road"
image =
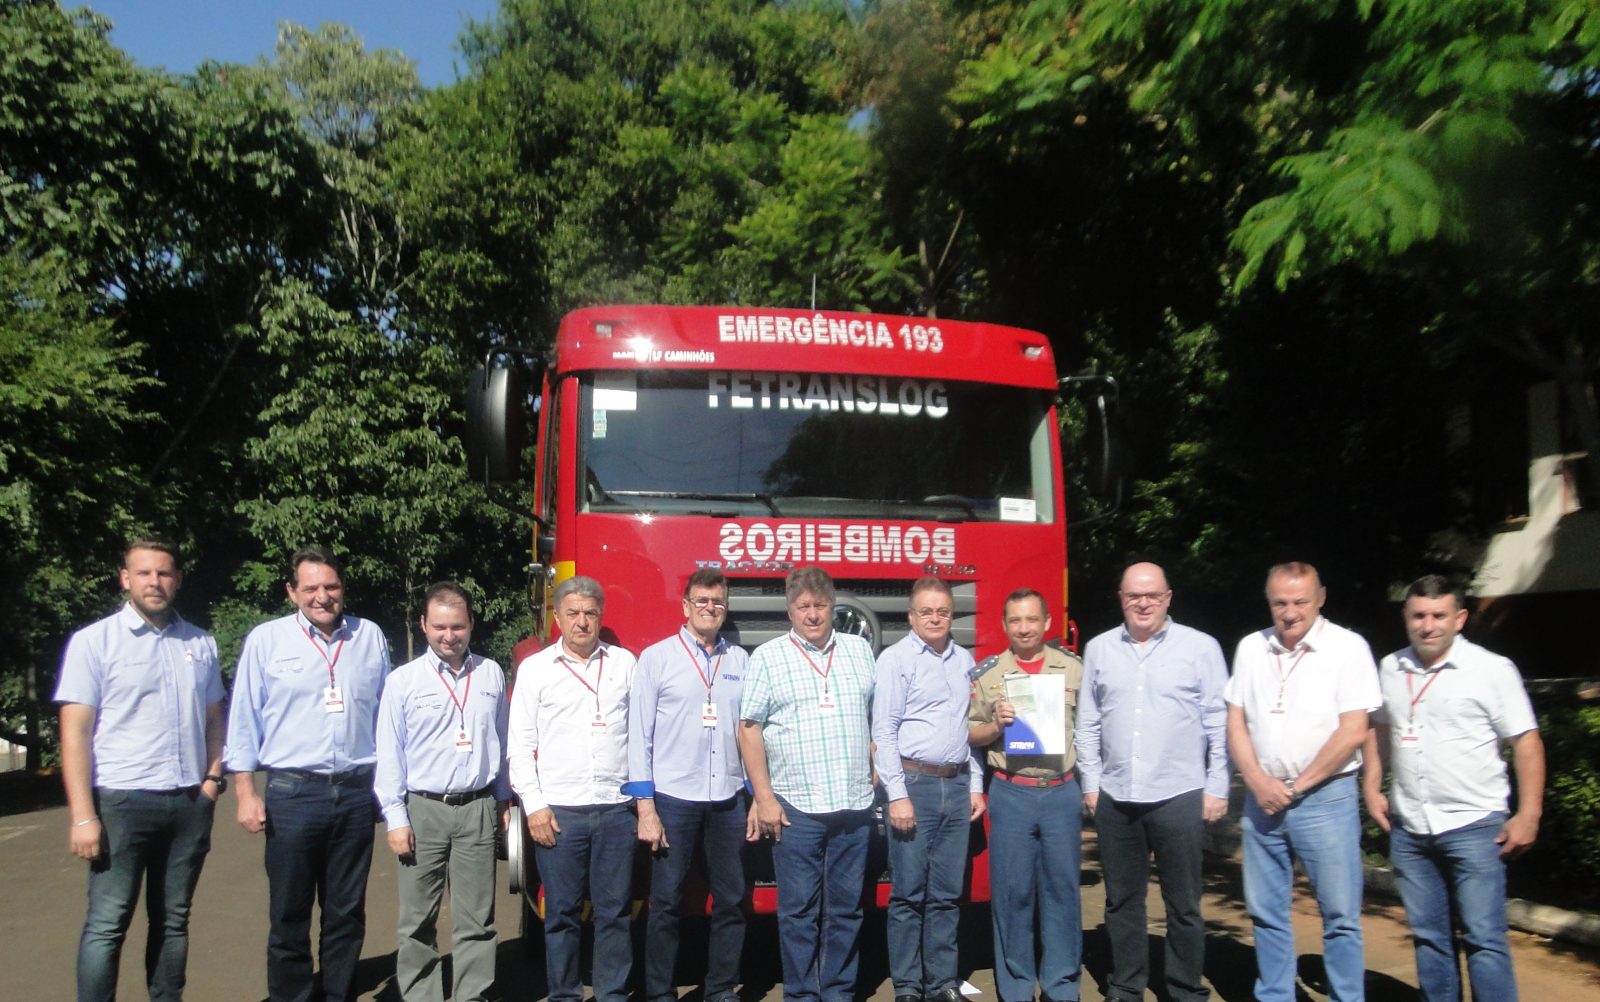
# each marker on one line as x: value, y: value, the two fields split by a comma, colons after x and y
x: 44, y: 898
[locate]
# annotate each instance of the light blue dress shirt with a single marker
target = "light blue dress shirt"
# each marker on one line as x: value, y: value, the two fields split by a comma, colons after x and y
x: 1152, y: 722
x: 670, y: 749
x: 423, y: 707
x: 919, y: 711
x: 150, y: 689
x: 278, y: 719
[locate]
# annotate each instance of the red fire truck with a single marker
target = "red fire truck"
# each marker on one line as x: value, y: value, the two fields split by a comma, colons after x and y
x: 754, y: 441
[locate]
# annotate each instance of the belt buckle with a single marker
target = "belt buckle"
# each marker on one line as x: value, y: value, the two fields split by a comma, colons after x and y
x: 1041, y: 781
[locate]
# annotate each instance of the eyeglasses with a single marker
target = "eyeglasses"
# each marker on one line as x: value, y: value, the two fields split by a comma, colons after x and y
x: 1144, y: 596
x: 932, y: 613
x: 708, y: 603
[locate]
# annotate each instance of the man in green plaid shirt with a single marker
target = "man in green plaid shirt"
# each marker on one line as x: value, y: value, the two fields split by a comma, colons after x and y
x: 807, y: 753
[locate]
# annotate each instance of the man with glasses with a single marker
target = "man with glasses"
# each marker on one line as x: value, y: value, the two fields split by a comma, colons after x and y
x: 934, y: 788
x: 803, y: 732
x: 1035, y: 816
x: 1152, y: 750
x: 688, y: 783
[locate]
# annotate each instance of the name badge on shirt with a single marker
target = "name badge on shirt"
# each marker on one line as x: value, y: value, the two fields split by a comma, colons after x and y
x: 463, y: 741
x: 598, y: 724
x: 333, y: 699
x: 1409, y: 736
x: 708, y: 714
x: 826, y: 704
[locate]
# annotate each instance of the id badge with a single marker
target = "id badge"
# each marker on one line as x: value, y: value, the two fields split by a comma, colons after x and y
x: 708, y: 714
x: 463, y: 741
x: 826, y: 704
x: 1409, y: 736
x: 333, y: 699
x: 598, y: 724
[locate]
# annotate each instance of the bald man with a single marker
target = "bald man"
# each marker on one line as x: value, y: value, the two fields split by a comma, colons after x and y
x: 1153, y: 754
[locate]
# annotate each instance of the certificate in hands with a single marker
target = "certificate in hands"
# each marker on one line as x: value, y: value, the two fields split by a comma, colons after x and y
x: 1037, y: 738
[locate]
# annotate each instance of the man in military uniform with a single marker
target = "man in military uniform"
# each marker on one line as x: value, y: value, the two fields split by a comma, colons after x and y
x: 1035, y: 806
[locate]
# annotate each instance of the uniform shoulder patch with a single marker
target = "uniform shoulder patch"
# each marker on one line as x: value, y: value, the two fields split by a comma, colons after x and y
x: 986, y: 664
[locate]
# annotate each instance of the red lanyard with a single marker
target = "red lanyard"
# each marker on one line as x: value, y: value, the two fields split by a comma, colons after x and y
x: 1283, y: 679
x: 599, y: 677
x: 824, y: 672
x: 336, y: 652
x: 461, y: 704
x: 1433, y: 677
x: 702, y: 674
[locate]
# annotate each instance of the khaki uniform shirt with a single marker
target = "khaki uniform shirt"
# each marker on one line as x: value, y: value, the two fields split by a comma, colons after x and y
x: 989, y: 686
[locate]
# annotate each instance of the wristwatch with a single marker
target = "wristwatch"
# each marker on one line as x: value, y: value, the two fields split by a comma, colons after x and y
x: 1293, y: 793
x: 222, y: 783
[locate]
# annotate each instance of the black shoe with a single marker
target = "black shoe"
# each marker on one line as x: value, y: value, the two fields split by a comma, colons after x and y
x: 944, y: 995
x: 908, y: 998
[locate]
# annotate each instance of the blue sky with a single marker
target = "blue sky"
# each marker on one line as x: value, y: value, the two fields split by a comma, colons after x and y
x: 178, y: 34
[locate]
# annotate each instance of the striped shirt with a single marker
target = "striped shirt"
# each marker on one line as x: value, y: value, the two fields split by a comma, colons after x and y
x: 818, y: 758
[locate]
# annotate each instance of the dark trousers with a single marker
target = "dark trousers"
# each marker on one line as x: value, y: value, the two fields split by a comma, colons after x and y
x: 160, y: 834
x: 928, y: 867
x: 592, y: 859
x: 319, y: 849
x: 1129, y: 833
x: 718, y: 827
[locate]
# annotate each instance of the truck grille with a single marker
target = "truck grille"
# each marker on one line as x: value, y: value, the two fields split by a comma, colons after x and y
x: 874, y: 608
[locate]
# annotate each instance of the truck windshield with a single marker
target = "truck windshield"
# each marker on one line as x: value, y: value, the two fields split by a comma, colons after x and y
x: 736, y: 444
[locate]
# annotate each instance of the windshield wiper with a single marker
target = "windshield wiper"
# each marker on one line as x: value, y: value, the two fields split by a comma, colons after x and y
x: 766, y: 499
x: 953, y: 501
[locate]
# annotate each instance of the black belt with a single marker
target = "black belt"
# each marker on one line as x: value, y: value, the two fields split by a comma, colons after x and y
x: 360, y: 772
x: 453, y: 799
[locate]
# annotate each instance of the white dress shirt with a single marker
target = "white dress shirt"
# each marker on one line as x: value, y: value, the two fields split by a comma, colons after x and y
x: 1292, y: 699
x: 1444, y: 748
x: 568, y: 741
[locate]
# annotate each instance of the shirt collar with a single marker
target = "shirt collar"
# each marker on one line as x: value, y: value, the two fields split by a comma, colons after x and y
x: 833, y: 638
x: 926, y: 648
x: 600, y: 650
x: 1411, y: 663
x: 1160, y: 634
x: 1307, y: 642
x: 439, y: 664
x: 129, y: 617
x: 341, y: 632
x: 689, y: 637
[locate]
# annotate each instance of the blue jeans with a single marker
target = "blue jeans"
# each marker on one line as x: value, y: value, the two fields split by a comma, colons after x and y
x: 1035, y: 857
x: 718, y: 827
x: 163, y: 833
x: 591, y: 860
x: 319, y: 849
x: 820, y: 864
x: 927, y: 868
x: 1458, y: 871
x: 1323, y: 831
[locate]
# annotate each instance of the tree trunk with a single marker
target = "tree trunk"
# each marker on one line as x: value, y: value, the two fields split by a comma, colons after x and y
x: 35, y: 730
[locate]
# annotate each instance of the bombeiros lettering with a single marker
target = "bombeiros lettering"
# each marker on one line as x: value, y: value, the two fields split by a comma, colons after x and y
x: 809, y: 542
x: 827, y: 392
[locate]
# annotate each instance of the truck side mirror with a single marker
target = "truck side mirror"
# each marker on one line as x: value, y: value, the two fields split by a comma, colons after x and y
x: 496, y: 427
x: 1102, y: 472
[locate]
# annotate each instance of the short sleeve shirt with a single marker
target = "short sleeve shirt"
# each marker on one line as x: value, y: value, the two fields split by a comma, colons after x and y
x: 150, y: 689
x: 1444, y: 748
x: 990, y: 686
x: 817, y: 759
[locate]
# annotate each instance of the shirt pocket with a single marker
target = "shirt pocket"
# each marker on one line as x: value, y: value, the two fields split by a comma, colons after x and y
x: 130, y: 681
x: 286, y: 667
